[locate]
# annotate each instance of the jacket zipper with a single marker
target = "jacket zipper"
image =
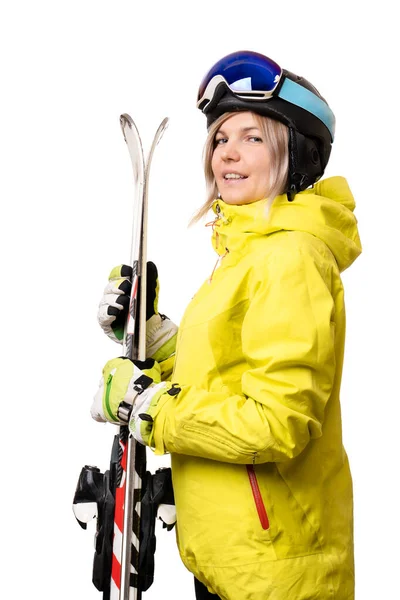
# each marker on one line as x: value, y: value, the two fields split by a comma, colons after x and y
x: 262, y: 513
x: 214, y: 223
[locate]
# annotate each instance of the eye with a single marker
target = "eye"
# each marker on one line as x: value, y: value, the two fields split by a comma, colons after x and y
x: 255, y: 138
x: 219, y: 142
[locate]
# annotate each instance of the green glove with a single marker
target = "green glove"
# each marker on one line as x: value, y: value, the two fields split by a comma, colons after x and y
x: 130, y: 391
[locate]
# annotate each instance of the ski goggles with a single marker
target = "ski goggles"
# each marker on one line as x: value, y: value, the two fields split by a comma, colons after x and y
x: 247, y: 74
x: 253, y: 76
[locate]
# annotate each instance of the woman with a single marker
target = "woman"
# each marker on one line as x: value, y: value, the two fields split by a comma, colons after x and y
x: 262, y: 482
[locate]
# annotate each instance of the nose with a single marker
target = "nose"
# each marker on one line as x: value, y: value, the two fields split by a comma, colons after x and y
x: 230, y: 152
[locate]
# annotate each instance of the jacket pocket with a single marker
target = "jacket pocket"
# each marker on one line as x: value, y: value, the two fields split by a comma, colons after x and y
x: 260, y: 506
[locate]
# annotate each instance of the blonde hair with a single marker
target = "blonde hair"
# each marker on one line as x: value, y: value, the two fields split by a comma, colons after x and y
x: 275, y: 134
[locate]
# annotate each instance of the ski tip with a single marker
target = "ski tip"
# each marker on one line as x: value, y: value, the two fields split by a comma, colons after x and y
x: 161, y: 129
x: 125, y: 121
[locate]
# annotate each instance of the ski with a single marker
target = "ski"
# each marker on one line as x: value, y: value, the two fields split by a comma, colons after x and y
x: 115, y: 497
x: 133, y: 458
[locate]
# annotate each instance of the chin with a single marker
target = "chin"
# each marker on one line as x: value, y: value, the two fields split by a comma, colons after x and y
x: 238, y: 200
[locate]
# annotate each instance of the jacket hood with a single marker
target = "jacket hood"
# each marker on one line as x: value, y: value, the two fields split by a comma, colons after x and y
x: 325, y: 211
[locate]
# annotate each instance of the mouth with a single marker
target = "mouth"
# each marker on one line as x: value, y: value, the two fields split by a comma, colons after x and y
x: 233, y: 177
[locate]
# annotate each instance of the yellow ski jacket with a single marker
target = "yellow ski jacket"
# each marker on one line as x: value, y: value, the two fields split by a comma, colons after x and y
x: 262, y: 482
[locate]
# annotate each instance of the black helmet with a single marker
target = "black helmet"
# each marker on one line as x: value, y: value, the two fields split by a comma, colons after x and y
x: 248, y: 81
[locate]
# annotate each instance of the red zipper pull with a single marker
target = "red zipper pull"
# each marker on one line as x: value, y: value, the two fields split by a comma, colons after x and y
x: 262, y: 513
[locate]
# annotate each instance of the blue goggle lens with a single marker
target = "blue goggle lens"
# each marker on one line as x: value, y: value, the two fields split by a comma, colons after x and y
x: 244, y: 71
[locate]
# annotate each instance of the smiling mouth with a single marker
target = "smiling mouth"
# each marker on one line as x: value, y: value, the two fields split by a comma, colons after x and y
x: 235, y: 178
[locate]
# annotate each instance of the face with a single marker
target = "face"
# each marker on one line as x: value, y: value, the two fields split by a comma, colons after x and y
x: 240, y: 161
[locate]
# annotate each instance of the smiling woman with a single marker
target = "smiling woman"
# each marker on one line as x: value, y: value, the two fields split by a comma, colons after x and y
x: 262, y: 483
x: 241, y: 161
x: 264, y: 142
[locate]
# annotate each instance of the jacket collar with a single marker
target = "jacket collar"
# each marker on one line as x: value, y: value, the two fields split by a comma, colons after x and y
x: 325, y: 211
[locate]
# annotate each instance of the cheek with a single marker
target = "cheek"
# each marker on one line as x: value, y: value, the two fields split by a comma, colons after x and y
x: 214, y: 164
x: 263, y: 169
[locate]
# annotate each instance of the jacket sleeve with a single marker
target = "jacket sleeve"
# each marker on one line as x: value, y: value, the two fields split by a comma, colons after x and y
x: 288, y: 343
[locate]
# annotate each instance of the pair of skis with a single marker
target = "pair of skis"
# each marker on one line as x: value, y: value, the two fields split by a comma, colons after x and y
x: 125, y: 583
x: 120, y: 489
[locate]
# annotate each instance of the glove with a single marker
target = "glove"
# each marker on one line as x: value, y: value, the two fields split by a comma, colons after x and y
x: 114, y: 305
x: 131, y: 392
x: 161, y: 332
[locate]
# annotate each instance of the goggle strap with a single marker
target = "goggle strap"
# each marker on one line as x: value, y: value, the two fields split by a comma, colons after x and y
x: 300, y: 96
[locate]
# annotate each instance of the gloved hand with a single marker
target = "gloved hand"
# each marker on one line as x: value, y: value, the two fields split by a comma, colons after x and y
x: 161, y: 332
x: 131, y: 392
x: 114, y: 305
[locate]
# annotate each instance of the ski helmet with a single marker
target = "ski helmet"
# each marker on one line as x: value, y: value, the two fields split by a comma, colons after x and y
x: 249, y: 81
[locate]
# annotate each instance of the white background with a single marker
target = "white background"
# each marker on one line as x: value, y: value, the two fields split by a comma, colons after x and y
x: 68, y: 70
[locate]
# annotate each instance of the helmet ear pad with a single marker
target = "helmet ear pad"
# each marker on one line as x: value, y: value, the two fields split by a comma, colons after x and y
x: 304, y: 161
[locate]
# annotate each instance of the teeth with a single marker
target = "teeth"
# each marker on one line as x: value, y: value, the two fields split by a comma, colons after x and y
x: 233, y: 176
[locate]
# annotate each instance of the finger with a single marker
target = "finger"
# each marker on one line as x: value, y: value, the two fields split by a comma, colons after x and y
x: 121, y: 271
x: 123, y: 302
x: 116, y: 286
x: 152, y: 272
x: 114, y: 297
x: 120, y: 309
x: 144, y: 364
x: 152, y: 290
